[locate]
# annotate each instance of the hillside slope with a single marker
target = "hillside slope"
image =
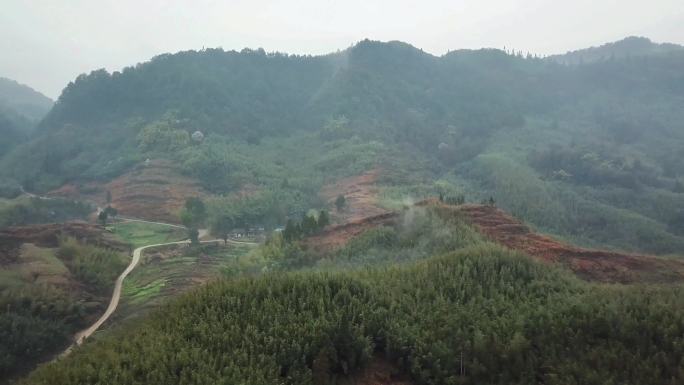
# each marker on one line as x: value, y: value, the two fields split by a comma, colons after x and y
x: 593, y: 265
x: 21, y: 108
x: 592, y: 152
x: 483, y: 315
x: 54, y: 280
x: 24, y: 100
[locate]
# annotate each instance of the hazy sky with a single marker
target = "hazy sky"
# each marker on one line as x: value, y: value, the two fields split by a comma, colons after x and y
x: 47, y: 43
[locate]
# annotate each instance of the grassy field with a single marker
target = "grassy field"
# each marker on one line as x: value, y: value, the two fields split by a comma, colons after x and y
x: 141, y: 234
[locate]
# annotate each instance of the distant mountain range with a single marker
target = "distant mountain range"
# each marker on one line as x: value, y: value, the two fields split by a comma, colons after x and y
x: 23, y: 100
x: 21, y: 108
x: 631, y: 46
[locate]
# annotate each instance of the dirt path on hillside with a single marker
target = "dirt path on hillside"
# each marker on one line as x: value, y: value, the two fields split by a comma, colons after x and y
x: 116, y: 294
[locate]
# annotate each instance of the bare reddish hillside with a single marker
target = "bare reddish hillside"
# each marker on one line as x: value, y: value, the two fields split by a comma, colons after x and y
x: 360, y: 214
x: 155, y: 191
x: 360, y: 193
x: 336, y: 236
x: 594, y: 265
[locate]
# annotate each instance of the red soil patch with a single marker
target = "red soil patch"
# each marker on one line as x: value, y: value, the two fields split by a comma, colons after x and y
x: 336, y: 236
x: 593, y: 265
x: 360, y: 214
x: 156, y: 191
x: 360, y: 193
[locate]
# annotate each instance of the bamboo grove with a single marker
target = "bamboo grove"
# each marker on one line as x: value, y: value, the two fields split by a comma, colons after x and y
x: 482, y: 315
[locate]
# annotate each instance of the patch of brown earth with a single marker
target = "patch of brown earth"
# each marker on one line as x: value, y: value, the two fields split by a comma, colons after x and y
x: 361, y: 212
x: 154, y: 191
x: 336, y: 236
x: 360, y: 193
x: 592, y: 265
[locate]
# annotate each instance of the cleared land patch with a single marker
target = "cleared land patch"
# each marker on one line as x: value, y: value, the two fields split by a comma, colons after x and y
x: 167, y: 271
x: 141, y: 233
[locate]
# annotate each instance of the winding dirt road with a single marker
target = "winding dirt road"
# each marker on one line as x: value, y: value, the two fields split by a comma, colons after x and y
x: 118, y: 285
x: 116, y: 295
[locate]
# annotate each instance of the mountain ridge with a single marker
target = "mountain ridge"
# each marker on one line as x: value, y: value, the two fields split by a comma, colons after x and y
x: 632, y: 46
x: 23, y: 99
x: 608, y: 126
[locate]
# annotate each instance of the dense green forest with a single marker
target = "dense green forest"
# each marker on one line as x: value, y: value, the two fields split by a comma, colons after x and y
x: 482, y: 315
x: 591, y: 151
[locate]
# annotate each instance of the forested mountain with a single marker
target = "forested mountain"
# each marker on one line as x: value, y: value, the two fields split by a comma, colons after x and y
x: 590, y: 148
x: 632, y: 46
x: 592, y: 152
x: 21, y: 108
x: 23, y: 100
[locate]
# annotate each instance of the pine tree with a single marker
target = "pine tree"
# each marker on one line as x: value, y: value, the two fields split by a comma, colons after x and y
x: 340, y: 202
x: 323, y: 219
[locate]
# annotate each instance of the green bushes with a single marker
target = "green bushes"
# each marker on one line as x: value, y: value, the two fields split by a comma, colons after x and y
x: 26, y: 211
x: 163, y: 136
x: 583, y: 166
x: 310, y: 224
x: 94, y: 266
x: 42, y: 310
x: 419, y: 233
x: 34, y: 322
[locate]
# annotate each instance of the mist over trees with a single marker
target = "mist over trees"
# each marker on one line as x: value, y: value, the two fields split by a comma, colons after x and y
x: 591, y: 151
x: 21, y: 108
